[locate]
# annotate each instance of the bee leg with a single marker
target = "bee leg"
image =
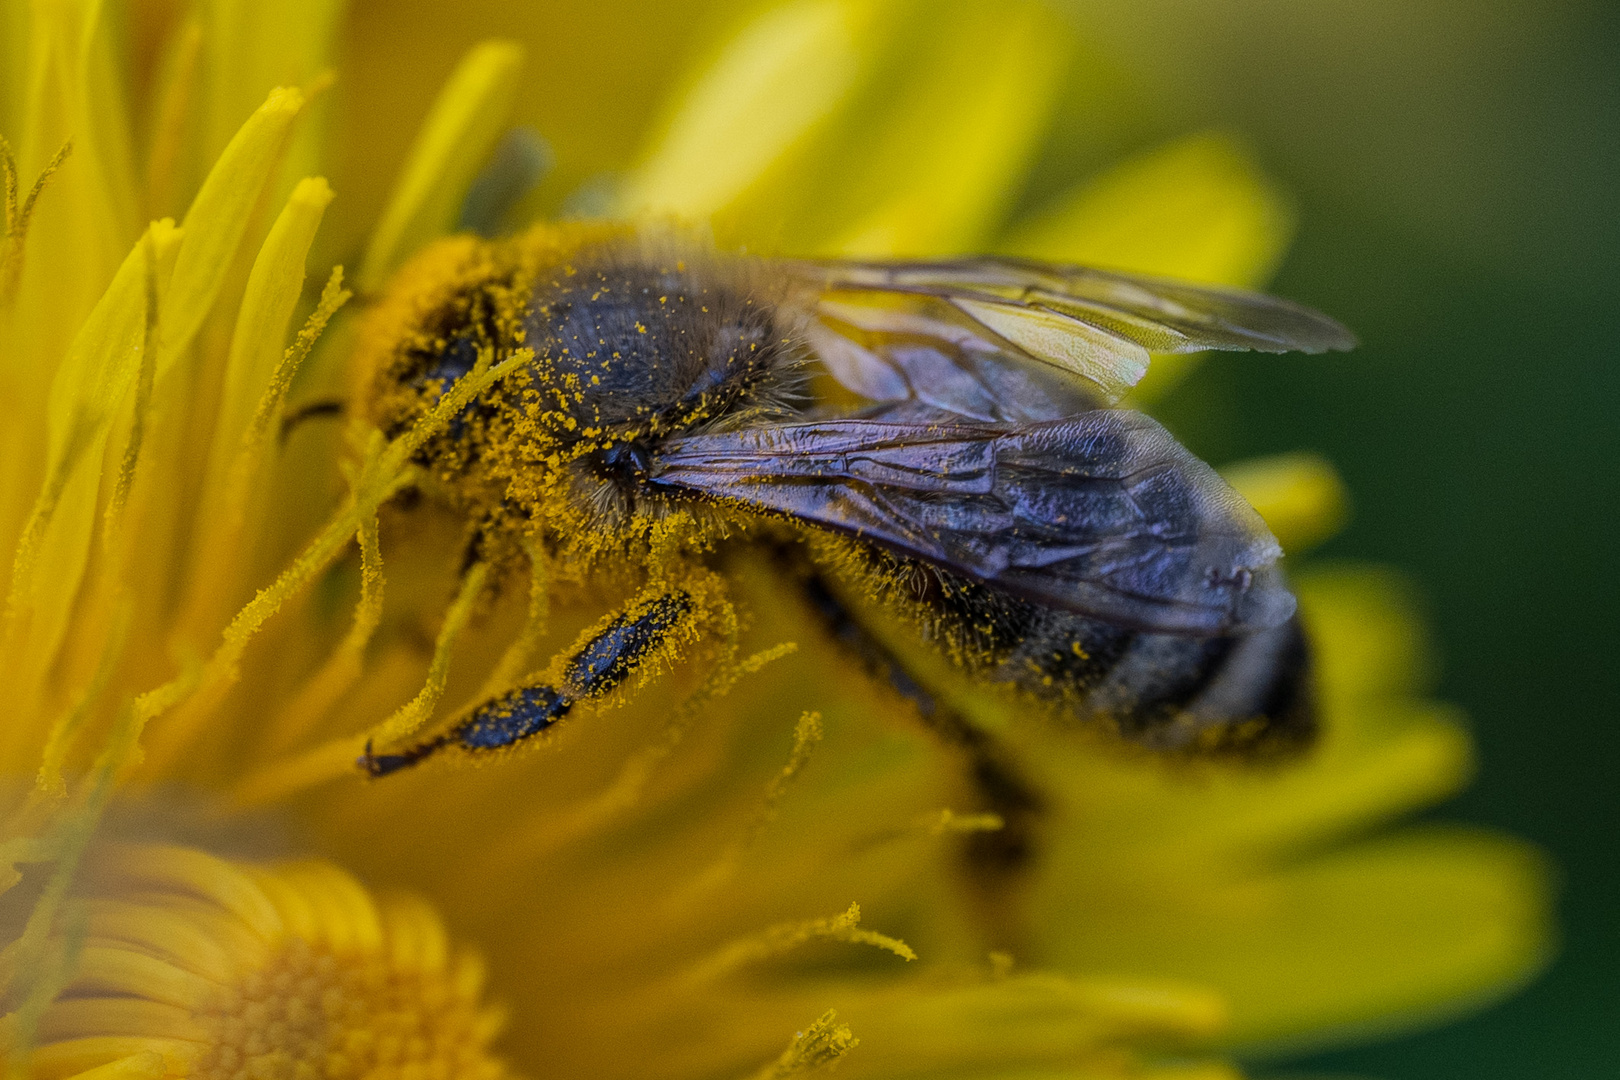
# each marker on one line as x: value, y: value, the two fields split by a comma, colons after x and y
x: 294, y: 418
x: 597, y: 667
x: 991, y: 856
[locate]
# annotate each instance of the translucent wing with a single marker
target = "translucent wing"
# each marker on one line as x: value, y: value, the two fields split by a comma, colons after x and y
x: 1006, y: 339
x: 1103, y: 513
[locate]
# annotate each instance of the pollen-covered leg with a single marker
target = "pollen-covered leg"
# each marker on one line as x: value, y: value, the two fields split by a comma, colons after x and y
x: 602, y: 662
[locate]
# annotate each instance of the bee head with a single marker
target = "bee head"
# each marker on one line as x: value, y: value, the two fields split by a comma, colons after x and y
x: 635, y: 337
x: 625, y: 463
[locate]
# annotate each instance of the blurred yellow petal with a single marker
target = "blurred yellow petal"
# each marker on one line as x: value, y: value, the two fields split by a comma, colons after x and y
x: 1460, y: 908
x: 250, y: 47
x: 467, y: 118
x: 605, y: 76
x: 1382, y: 932
x: 1299, y: 495
x: 1381, y: 753
x: 776, y: 80
x: 860, y: 127
x: 1198, y: 209
x: 1376, y: 647
x: 1023, y: 1020
x: 1161, y: 821
x: 938, y: 170
x: 73, y: 92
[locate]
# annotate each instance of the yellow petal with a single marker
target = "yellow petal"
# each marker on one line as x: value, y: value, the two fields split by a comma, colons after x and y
x: 471, y: 112
x: 1196, y: 1071
x: 218, y: 218
x: 1027, y: 1020
x: 89, y: 1057
x: 188, y: 872
x: 91, y: 385
x: 114, y: 970
x: 1388, y: 933
x: 1381, y: 753
x: 331, y: 990
x: 847, y: 127
x: 937, y: 172
x: 1299, y: 495
x: 74, y: 92
x: 1198, y: 209
x: 98, y: 371
x: 254, y: 384
x: 1373, y: 646
x: 273, y: 288
x: 775, y: 81
x: 1409, y: 758
x: 605, y: 76
x: 142, y: 1065
x: 91, y: 1016
x: 248, y: 48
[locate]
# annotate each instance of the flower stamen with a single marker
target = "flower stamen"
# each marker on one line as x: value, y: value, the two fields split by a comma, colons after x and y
x: 782, y: 938
x: 818, y: 1046
x: 18, y: 214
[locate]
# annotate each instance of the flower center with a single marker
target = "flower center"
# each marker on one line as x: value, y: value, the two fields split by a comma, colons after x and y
x: 310, y: 1013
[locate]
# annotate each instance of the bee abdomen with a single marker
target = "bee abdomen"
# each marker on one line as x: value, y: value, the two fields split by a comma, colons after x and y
x: 1249, y: 693
x: 1260, y: 697
x: 1235, y: 693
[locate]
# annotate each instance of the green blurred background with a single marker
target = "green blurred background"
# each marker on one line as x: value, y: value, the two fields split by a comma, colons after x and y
x: 1457, y: 170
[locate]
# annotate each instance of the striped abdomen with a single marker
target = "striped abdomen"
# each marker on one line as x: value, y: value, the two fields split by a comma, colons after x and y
x: 1172, y: 691
x: 1169, y: 691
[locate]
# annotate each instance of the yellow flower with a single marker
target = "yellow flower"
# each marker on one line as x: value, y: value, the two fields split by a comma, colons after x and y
x: 752, y: 869
x: 192, y: 966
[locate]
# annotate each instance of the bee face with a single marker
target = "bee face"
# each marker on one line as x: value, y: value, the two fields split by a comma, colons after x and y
x: 1076, y: 551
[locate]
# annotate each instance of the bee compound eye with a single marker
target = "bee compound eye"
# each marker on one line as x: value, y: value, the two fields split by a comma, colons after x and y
x: 640, y: 459
x: 625, y: 461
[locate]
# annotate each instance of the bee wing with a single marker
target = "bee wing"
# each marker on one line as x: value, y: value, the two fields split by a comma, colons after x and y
x: 1002, y: 338
x: 1102, y: 513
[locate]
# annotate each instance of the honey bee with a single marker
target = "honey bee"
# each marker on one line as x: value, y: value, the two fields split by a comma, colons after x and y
x: 939, y: 439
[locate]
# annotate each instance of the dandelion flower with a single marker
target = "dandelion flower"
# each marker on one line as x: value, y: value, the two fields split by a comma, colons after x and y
x: 752, y: 868
x: 195, y: 966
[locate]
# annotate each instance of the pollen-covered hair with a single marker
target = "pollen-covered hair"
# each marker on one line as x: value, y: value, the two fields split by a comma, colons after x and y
x: 636, y: 335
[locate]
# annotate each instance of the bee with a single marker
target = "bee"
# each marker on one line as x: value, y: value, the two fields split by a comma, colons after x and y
x: 937, y: 439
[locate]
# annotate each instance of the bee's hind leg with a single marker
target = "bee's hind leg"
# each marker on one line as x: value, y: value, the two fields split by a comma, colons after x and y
x: 597, y: 666
x: 1004, y: 790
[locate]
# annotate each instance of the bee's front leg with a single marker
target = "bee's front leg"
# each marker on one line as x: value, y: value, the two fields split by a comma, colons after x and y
x: 600, y: 664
